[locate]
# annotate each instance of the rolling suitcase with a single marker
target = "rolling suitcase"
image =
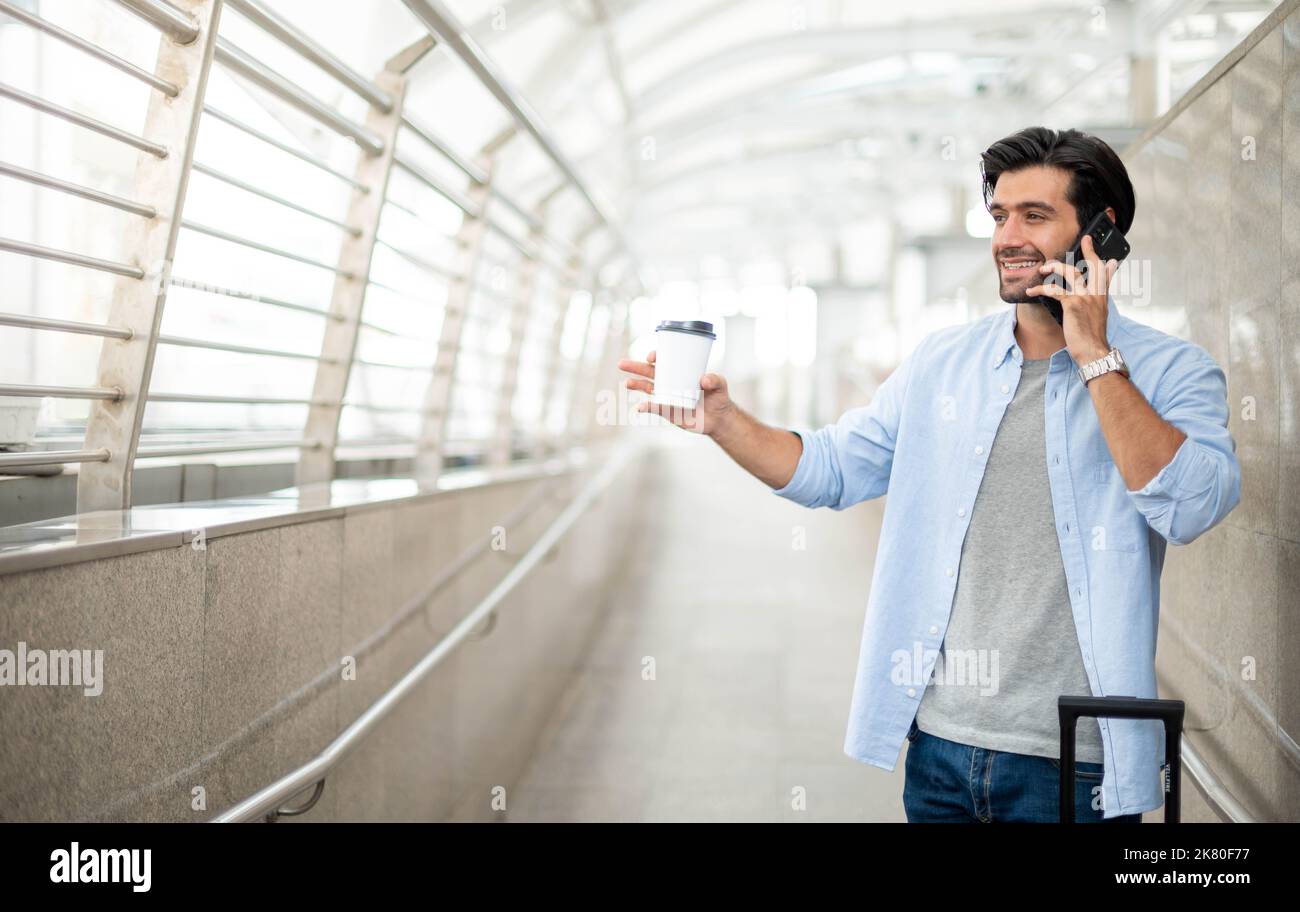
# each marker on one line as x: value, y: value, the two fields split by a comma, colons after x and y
x: 1168, y: 711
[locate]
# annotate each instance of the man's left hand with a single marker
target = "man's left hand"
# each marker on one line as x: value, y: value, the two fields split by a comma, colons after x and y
x: 1083, y: 307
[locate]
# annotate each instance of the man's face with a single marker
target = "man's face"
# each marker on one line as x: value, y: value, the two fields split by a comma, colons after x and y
x: 1032, y: 222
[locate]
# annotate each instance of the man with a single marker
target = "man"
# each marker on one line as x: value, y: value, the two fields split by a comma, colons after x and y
x: 1028, y: 514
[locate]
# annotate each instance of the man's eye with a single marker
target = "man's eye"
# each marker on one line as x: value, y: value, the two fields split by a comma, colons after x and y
x: 1034, y: 215
x: 998, y: 218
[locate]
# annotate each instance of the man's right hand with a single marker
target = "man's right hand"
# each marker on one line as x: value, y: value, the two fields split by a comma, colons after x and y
x: 714, y: 409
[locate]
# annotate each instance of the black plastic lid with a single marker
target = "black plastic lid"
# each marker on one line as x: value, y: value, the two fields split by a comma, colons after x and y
x: 698, y: 327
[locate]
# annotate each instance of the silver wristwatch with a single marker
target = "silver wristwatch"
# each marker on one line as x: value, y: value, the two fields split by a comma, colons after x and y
x: 1112, y: 361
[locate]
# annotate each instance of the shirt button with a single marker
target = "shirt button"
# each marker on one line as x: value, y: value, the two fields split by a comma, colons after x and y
x: 933, y: 629
x: 911, y: 691
x: 1067, y: 527
x: 1005, y: 388
x: 961, y: 511
x: 1056, y: 460
x: 978, y: 450
x: 948, y: 571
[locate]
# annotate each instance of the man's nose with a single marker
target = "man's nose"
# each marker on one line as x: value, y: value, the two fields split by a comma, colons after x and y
x: 1010, y: 237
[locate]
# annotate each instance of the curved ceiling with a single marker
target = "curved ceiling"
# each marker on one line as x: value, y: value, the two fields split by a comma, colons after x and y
x: 737, y: 128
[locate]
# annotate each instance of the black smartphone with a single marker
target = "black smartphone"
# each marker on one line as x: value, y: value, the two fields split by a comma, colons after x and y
x: 1107, y: 242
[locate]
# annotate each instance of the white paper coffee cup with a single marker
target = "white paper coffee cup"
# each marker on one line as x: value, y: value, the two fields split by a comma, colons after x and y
x: 681, y: 357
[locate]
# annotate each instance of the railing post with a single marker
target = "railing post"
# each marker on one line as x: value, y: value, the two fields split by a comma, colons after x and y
x: 127, y: 364
x: 339, y: 345
x: 587, y: 373
x: 615, y: 345
x: 437, y: 397
x: 564, y: 288
x: 501, y: 449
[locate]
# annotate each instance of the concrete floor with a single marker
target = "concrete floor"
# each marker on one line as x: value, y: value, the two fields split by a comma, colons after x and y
x: 752, y: 643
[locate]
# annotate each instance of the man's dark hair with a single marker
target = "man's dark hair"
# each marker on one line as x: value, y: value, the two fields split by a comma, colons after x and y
x: 1098, y: 177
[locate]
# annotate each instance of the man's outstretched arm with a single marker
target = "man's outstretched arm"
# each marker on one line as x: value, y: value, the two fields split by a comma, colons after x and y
x: 834, y: 466
x: 769, y: 454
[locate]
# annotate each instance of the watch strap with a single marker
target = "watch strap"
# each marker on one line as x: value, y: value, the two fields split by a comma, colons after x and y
x: 1111, y: 361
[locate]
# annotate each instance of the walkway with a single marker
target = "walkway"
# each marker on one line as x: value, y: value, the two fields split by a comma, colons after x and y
x: 754, y: 644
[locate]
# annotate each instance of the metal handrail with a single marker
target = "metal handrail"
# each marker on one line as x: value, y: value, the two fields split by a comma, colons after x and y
x: 61, y: 392
x: 290, y: 35
x: 1224, y: 804
x: 250, y: 296
x: 233, y: 181
x: 252, y: 69
x: 479, y: 176
x: 187, y: 342
x: 409, y: 294
x: 416, y: 260
x: 477, y: 477
x: 471, y: 170
x: 274, y: 795
x: 171, y: 21
x: 391, y: 365
x: 524, y: 248
x: 95, y: 196
x: 362, y: 442
x: 81, y: 120
x: 390, y: 409
x: 375, y: 327
x: 72, y: 259
x: 264, y: 248
x: 444, y: 26
x: 86, y: 47
x: 284, y: 147
x: 52, y: 457
x: 205, y: 449
x: 230, y: 400
x: 452, y: 196
x: 27, y: 321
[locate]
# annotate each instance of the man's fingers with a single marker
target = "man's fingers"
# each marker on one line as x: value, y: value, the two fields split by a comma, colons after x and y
x: 682, y: 417
x: 1090, y: 254
x: 643, y: 385
x: 1096, y: 268
x: 1072, y: 276
x: 1051, y: 291
x: 1112, y: 267
x: 636, y: 367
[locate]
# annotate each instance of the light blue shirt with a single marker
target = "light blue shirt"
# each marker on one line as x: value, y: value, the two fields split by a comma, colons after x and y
x: 925, y: 438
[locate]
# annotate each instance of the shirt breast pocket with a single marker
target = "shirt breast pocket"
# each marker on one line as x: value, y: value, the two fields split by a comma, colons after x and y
x: 1105, y: 472
x: 1109, y: 487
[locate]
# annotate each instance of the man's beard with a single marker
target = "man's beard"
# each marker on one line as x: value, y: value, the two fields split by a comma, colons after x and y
x: 1015, y: 294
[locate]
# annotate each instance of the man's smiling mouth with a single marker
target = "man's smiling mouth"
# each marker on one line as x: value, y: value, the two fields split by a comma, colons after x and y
x: 1019, y: 267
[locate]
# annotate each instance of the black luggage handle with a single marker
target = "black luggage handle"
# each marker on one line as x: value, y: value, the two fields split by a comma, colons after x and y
x: 1170, y: 712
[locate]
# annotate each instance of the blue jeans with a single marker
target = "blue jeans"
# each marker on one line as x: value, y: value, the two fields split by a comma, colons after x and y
x: 948, y: 782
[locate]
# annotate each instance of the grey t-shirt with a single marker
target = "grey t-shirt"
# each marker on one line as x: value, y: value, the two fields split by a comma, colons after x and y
x: 1011, y: 647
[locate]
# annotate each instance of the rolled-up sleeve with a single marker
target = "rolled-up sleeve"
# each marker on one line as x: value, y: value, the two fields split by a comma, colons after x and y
x: 850, y: 461
x: 1201, y: 484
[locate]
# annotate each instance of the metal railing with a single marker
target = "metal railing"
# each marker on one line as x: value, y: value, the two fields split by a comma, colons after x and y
x: 1212, y: 788
x: 1224, y: 804
x: 348, y: 357
x: 269, y: 802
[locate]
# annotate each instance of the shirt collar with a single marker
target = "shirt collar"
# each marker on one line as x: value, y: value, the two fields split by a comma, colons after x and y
x: 1006, y: 331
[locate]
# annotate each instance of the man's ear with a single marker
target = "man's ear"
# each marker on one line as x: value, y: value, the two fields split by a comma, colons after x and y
x: 1110, y: 213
